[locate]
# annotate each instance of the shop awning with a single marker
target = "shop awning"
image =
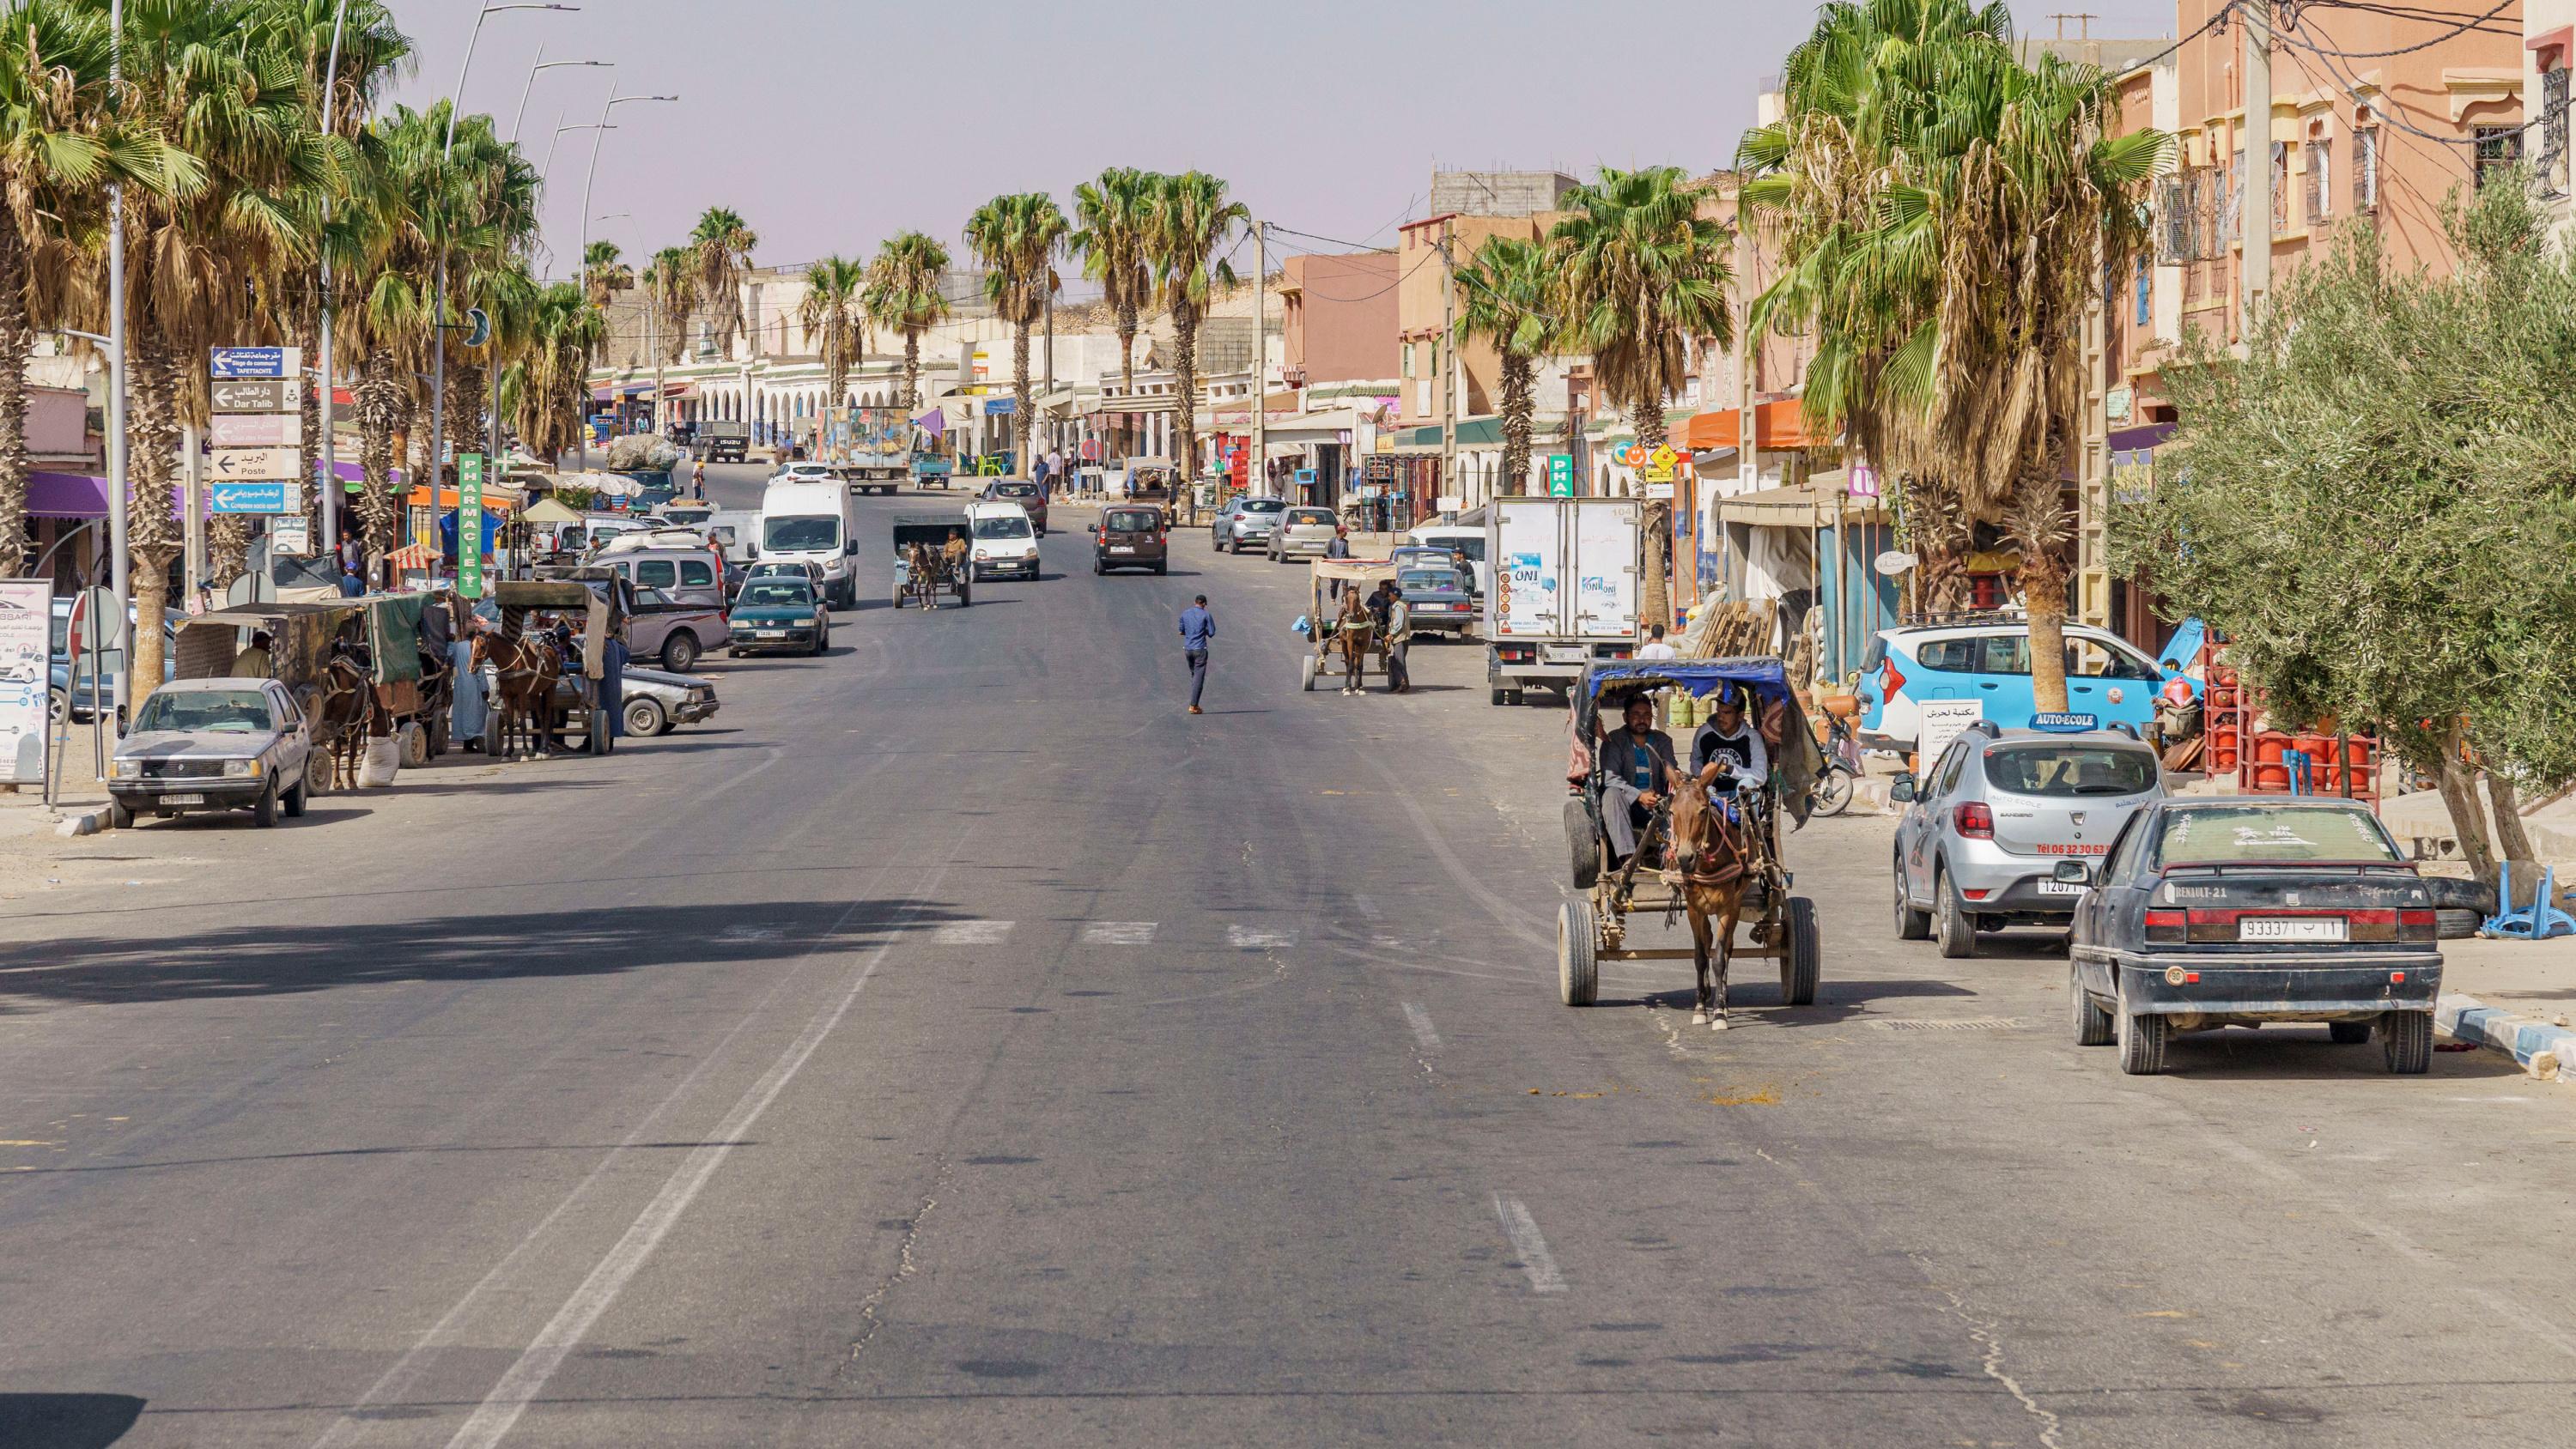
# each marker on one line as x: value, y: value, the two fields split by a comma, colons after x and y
x: 1775, y: 425
x: 1817, y: 505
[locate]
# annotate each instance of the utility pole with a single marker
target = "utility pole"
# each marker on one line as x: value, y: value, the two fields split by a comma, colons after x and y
x: 327, y: 506
x: 2255, y: 214
x: 1448, y: 364
x: 1748, y: 439
x: 120, y: 491
x: 1050, y: 376
x: 1260, y: 470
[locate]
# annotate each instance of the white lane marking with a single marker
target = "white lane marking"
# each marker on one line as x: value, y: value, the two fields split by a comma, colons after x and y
x: 1118, y: 933
x: 1365, y: 905
x: 971, y: 933
x: 1522, y: 1229
x: 1420, y: 1021
x: 527, y: 1377
x: 751, y: 933
x: 1258, y: 937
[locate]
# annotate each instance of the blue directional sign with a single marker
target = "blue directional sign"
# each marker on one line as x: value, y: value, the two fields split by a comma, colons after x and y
x: 255, y: 361
x: 269, y: 496
x: 1000, y: 407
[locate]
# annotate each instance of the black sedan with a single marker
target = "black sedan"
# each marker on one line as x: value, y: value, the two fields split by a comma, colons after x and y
x: 1438, y: 600
x: 2215, y: 912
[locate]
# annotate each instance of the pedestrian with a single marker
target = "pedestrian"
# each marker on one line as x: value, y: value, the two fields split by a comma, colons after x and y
x: 1055, y: 467
x: 698, y: 479
x: 1340, y: 547
x: 1655, y: 647
x: 1398, y: 634
x: 1198, y: 627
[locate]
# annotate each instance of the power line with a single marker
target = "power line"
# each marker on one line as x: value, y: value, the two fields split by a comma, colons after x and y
x: 2354, y: 84
x: 2291, y: 20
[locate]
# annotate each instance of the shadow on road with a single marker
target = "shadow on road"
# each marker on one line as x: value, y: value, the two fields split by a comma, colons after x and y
x: 66, y: 1421
x: 271, y: 960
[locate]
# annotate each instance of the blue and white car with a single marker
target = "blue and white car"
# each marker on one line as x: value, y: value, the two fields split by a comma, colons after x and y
x: 1988, y: 665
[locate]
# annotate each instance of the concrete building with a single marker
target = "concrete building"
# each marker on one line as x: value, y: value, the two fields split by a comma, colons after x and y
x: 1498, y: 193
x: 1338, y: 317
x: 2548, y: 36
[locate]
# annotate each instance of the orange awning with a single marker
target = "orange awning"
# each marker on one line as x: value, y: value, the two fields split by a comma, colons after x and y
x: 1776, y: 425
x: 418, y: 497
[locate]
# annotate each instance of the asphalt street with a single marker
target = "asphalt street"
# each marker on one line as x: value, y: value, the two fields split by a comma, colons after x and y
x: 954, y: 1043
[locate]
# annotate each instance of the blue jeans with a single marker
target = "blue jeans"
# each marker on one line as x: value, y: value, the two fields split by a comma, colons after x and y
x: 1198, y: 673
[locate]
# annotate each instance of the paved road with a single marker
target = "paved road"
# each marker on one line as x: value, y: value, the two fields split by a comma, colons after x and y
x: 955, y: 1043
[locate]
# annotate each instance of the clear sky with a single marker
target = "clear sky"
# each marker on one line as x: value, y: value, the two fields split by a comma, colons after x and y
x: 830, y: 124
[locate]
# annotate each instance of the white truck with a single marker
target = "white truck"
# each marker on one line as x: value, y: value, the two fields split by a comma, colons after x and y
x: 814, y: 522
x: 1564, y: 594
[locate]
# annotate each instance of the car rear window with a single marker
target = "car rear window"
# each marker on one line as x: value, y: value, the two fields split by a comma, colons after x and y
x: 1263, y: 505
x: 1308, y: 517
x: 2069, y: 770
x: 2253, y: 834
x: 768, y: 591
x: 1427, y: 579
x: 1133, y: 522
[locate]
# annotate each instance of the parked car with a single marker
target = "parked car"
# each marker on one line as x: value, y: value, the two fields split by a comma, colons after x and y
x: 1131, y: 536
x: 2227, y: 911
x: 682, y: 515
x: 1904, y: 668
x: 778, y: 568
x: 1031, y: 498
x: 683, y: 564
x: 674, y: 631
x: 1985, y: 827
x: 658, y: 701
x: 801, y: 472
x: 1303, y: 533
x: 781, y: 613
x: 212, y: 744
x: 1005, y: 543
x: 1245, y: 521
x: 1437, y: 598
x: 1454, y: 539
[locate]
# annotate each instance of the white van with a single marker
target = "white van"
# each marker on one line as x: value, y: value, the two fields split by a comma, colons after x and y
x: 814, y: 523
x: 1005, y: 542
x: 1468, y: 539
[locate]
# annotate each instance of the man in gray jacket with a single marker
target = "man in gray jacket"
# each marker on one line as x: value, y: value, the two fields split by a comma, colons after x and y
x: 1636, y: 776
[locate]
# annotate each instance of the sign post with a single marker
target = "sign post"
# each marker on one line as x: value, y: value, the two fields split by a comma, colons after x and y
x: 257, y: 430
x: 469, y: 525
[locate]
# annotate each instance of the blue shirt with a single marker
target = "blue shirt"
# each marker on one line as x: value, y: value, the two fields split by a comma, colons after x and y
x: 1198, y: 626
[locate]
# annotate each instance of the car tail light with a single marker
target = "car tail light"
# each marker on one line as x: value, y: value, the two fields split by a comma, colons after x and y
x: 2415, y: 927
x: 2166, y: 925
x: 1889, y: 680
x: 1974, y: 821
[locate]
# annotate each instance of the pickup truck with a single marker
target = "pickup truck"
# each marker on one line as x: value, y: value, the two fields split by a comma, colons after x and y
x: 722, y: 442
x: 930, y: 470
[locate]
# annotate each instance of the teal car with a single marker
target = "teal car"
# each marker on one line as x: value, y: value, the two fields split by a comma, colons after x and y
x: 780, y: 613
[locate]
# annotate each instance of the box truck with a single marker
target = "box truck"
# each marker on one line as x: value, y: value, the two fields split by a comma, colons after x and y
x: 1564, y: 592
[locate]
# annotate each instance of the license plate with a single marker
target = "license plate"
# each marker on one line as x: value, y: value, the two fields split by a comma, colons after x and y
x: 769, y: 633
x: 185, y: 798
x: 1121, y: 548
x: 2060, y: 888
x: 2290, y: 928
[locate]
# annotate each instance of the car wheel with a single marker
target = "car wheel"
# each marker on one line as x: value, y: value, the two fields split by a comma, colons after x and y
x: 295, y: 798
x: 1911, y: 924
x: 120, y: 816
x: 1502, y: 697
x: 2407, y: 1037
x: 58, y: 705
x: 644, y: 718
x: 264, y: 814
x: 2093, y: 1025
x: 1161, y: 569
x: 1098, y: 569
x: 1958, y: 930
x: 2348, y: 1033
x: 2142, y: 1038
x: 680, y: 651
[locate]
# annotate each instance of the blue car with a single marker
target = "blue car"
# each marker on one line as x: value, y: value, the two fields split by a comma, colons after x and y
x: 1988, y: 665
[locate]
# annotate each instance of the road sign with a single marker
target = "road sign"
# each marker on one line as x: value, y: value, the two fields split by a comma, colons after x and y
x: 267, y: 495
x: 98, y: 625
x: 226, y: 463
x: 258, y: 395
x: 1000, y: 407
x: 26, y: 638
x: 469, y: 525
x: 256, y: 430
x: 1560, y: 475
x: 278, y: 362
x: 291, y: 536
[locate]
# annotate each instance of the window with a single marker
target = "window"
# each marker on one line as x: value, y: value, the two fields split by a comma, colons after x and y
x: 2252, y: 834
x: 2499, y: 148
x: 2553, y: 131
x: 2071, y: 770
x: 2145, y: 288
x: 2232, y: 200
x: 656, y: 573
x: 2365, y: 169
x: 2124, y: 849
x: 693, y: 572
x: 2003, y: 654
x: 1005, y: 526
x: 2092, y: 659
x: 2174, y: 198
x: 1408, y: 359
x: 1950, y: 656
x: 2320, y: 191
x: 2280, y: 186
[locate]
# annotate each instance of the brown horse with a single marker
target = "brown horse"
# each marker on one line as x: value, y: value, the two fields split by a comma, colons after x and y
x: 524, y: 671
x: 342, y: 709
x: 1354, y: 633
x: 1714, y: 860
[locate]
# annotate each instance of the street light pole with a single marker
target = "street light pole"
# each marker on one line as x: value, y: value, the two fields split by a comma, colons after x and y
x: 326, y: 488
x: 119, y: 486
x: 520, y: 119
x: 1259, y: 472
x: 581, y: 264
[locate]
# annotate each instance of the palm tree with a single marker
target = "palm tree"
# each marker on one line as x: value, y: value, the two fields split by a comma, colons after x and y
x: 550, y: 383
x: 1191, y: 219
x: 904, y: 292
x: 674, y: 290
x: 721, y: 246
x: 831, y: 311
x: 1505, y: 293
x: 1115, y: 214
x: 494, y: 197
x: 603, y: 272
x: 1641, y: 276
x: 1014, y: 239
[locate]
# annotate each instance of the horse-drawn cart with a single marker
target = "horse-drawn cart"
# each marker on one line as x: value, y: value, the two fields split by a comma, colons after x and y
x: 1332, y: 638
x: 548, y: 660
x: 922, y: 569
x: 360, y: 668
x: 1722, y: 867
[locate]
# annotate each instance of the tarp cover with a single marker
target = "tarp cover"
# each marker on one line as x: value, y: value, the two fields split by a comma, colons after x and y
x: 393, y: 635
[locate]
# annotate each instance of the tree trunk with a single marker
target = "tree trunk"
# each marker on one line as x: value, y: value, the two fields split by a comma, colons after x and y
x: 309, y: 401
x: 1517, y: 376
x: 227, y: 549
x: 912, y: 368
x: 466, y: 411
x: 1185, y: 417
x: 151, y: 527
x: 2511, y: 836
x: 2044, y: 585
x: 1127, y: 378
x: 16, y: 341
x: 2459, y: 787
x: 1020, y: 394
x: 1655, y: 593
x: 380, y: 409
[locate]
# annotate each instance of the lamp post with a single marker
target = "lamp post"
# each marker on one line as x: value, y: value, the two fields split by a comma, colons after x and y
x: 520, y: 119
x: 326, y: 489
x: 119, y: 490
x: 581, y: 439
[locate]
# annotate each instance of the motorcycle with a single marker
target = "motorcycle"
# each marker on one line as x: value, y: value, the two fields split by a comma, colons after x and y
x: 1842, y: 768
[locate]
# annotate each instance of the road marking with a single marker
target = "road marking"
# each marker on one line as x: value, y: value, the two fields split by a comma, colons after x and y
x: 1365, y: 905
x: 1420, y: 1021
x: 1118, y: 933
x: 971, y: 933
x: 1254, y: 938
x: 1522, y: 1229
x: 526, y: 1378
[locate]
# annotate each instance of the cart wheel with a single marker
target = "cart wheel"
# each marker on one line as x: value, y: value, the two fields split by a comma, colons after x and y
x: 595, y: 725
x: 1798, y: 969
x: 1583, y: 850
x: 965, y: 595
x: 898, y: 596
x: 1577, y: 973
x: 1306, y: 674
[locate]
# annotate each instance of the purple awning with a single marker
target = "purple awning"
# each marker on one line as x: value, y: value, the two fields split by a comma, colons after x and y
x: 933, y: 422
x: 74, y: 495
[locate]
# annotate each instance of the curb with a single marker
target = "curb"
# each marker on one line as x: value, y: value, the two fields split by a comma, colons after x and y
x: 86, y: 822
x: 2546, y: 1051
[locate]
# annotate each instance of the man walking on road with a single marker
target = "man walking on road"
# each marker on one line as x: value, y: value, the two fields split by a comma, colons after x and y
x: 1198, y: 626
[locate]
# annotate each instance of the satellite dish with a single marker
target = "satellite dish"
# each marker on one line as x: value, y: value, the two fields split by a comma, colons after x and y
x: 478, y: 327
x: 1894, y: 561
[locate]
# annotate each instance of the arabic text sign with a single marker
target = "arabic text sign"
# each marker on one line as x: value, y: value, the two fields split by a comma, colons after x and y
x: 26, y: 653
x: 257, y: 395
x: 275, y: 495
x: 1944, y: 720
x: 230, y: 463
x: 256, y: 430
x: 279, y: 362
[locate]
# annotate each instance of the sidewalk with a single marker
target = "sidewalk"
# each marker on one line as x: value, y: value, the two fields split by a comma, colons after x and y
x: 2515, y: 997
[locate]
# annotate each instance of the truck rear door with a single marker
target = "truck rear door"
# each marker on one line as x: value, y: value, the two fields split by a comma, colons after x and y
x: 1527, y: 548
x: 1603, y: 564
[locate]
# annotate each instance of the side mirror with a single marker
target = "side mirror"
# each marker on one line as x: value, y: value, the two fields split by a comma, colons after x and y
x: 2073, y: 872
x: 1901, y: 790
